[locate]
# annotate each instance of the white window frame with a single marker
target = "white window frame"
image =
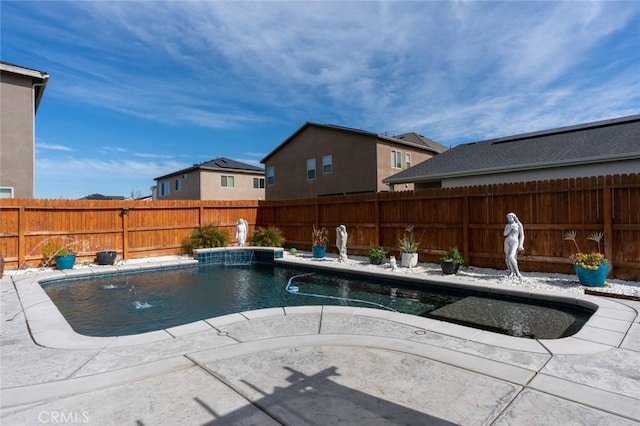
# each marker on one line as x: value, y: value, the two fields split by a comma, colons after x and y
x: 311, y: 169
x: 227, y: 181
x: 327, y: 164
x: 407, y: 159
x: 178, y: 185
x: 6, y: 190
x: 396, y: 159
x: 258, y: 183
x: 270, y: 176
x: 165, y: 189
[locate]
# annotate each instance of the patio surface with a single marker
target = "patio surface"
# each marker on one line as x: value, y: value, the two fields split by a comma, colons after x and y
x: 312, y: 365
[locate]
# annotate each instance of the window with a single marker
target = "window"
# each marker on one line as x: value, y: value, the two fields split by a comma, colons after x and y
x: 227, y: 181
x: 258, y: 183
x: 396, y: 159
x: 311, y: 169
x: 178, y: 184
x: 407, y: 157
x: 6, y: 192
x: 327, y: 164
x: 270, y: 176
x: 164, y: 189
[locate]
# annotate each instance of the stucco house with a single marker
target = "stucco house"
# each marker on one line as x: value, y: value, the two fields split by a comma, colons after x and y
x: 217, y: 179
x: 21, y: 91
x: 322, y: 160
x: 593, y: 149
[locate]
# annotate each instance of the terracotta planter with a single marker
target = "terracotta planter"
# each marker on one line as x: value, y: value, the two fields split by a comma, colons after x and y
x: 409, y: 260
x: 592, y: 277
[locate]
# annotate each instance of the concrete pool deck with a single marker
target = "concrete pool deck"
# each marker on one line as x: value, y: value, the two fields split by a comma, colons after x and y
x: 312, y: 365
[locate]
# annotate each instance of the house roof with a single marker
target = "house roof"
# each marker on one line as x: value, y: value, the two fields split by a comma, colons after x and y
x: 38, y: 78
x: 419, y: 139
x: 102, y: 197
x: 409, y: 139
x: 219, y: 164
x: 595, y: 142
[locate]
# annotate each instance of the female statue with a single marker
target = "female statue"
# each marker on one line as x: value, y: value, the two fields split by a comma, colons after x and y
x: 242, y: 226
x: 341, y: 242
x: 513, y: 243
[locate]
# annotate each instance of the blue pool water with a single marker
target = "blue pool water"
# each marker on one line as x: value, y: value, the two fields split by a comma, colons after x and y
x: 124, y: 304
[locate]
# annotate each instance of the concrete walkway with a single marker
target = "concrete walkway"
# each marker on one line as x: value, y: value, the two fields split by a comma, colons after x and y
x: 313, y: 365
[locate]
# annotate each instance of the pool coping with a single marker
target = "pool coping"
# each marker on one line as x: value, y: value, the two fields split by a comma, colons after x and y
x: 605, y: 329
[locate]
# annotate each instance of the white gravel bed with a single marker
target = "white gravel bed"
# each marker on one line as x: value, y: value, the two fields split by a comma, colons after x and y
x: 537, y: 280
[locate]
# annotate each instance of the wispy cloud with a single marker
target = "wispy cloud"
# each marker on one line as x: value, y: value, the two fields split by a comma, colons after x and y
x: 52, y: 147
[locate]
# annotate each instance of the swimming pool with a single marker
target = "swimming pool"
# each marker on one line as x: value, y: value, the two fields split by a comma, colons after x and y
x: 131, y: 303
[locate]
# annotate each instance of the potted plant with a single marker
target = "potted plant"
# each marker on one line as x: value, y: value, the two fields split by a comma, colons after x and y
x: 106, y: 257
x: 377, y: 255
x: 408, y: 248
x: 319, y: 241
x: 451, y: 261
x: 64, y: 256
x: 591, y: 268
x: 270, y: 236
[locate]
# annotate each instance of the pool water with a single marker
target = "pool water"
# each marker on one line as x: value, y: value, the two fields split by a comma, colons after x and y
x: 132, y: 303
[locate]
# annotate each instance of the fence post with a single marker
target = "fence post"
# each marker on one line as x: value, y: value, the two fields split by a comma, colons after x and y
x: 465, y: 228
x: 377, y: 221
x: 125, y: 233
x: 22, y: 241
x: 607, y: 227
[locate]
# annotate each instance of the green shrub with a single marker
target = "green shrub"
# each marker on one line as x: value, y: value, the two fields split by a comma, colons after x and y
x: 206, y: 237
x: 270, y: 236
x: 377, y: 252
x: 454, y: 256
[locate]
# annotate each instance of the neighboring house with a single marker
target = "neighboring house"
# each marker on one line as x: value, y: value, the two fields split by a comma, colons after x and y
x: 322, y: 160
x: 594, y: 149
x: 21, y: 90
x: 103, y: 197
x: 218, y: 179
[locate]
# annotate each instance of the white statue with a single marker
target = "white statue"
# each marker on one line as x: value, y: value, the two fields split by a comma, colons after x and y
x: 242, y: 226
x: 393, y: 263
x: 341, y: 242
x: 513, y: 243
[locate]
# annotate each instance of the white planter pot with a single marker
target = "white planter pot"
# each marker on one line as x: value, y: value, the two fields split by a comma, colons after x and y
x: 409, y: 260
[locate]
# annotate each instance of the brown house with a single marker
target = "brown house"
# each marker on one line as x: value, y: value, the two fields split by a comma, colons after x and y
x: 218, y: 179
x: 21, y: 90
x: 322, y: 160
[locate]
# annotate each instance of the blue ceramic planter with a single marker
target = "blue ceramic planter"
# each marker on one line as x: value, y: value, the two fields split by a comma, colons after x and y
x: 592, y: 277
x: 319, y: 251
x: 65, y: 262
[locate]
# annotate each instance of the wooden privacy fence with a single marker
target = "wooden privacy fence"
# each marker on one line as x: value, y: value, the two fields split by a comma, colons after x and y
x: 470, y: 218
x: 473, y: 219
x: 134, y: 229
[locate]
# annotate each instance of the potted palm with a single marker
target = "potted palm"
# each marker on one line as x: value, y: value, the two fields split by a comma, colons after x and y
x: 319, y: 241
x: 408, y: 248
x: 591, y: 268
x: 451, y: 261
x: 377, y: 255
x: 64, y: 256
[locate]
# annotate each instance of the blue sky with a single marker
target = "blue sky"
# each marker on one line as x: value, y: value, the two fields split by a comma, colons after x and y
x: 139, y: 89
